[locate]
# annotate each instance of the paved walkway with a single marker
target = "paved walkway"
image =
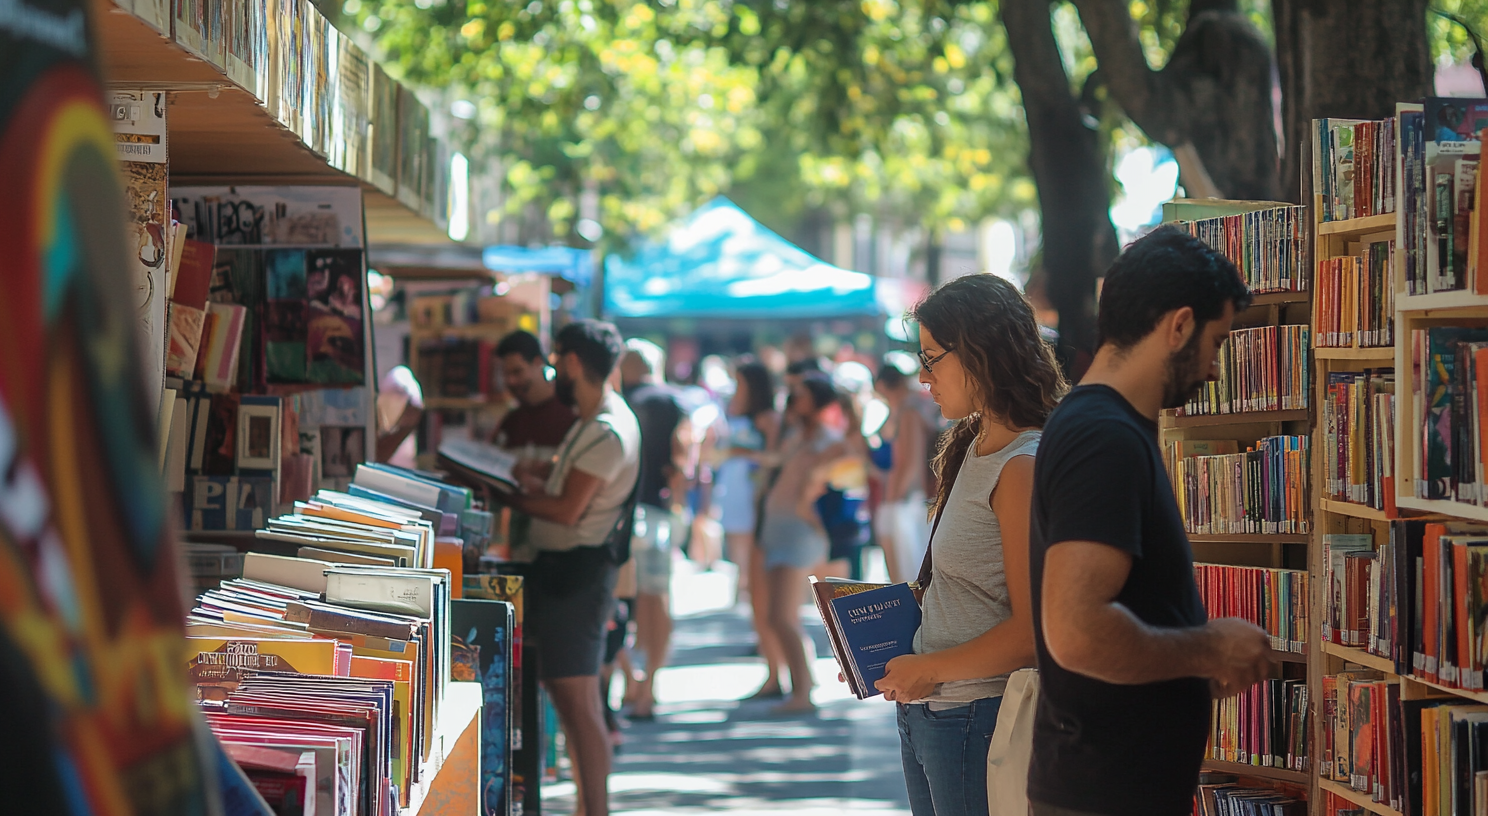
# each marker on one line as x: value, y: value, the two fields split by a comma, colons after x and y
x: 709, y: 752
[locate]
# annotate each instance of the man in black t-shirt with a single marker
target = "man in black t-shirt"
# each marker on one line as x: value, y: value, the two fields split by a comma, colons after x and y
x: 1127, y: 658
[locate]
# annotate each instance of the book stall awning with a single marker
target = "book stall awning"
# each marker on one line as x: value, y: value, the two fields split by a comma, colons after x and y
x: 721, y: 263
x: 573, y: 265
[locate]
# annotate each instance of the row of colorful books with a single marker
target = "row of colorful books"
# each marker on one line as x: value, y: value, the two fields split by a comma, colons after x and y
x: 1419, y: 599
x: 1364, y: 741
x: 1355, y: 305
x: 1234, y: 798
x: 1224, y: 491
x: 316, y: 82
x: 1423, y: 757
x: 1357, y: 420
x: 1449, y: 366
x: 1273, y: 599
x: 1267, y: 246
x: 1440, y: 145
x: 1266, y: 726
x: 1353, y: 168
x: 1260, y: 369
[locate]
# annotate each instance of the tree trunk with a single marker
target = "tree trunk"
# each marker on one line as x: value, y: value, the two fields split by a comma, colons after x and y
x: 1351, y: 59
x: 1070, y: 171
x: 1214, y: 94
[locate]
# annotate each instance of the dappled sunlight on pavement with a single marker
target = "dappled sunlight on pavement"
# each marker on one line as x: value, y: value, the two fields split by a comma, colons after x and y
x: 710, y: 751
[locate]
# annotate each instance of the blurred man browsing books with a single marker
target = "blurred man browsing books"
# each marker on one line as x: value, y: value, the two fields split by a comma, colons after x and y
x: 534, y: 428
x: 1129, y: 662
x: 576, y: 503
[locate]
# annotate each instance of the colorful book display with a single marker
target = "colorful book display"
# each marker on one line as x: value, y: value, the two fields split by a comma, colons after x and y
x: 1266, y: 726
x: 1353, y: 168
x: 1261, y: 369
x: 1267, y: 246
x: 1273, y: 599
x: 1221, y: 490
x: 1356, y: 299
x: 1357, y: 421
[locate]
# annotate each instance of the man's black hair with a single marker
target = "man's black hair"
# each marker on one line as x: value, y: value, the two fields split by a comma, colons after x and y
x: 889, y: 376
x: 1165, y: 270
x: 820, y: 387
x: 596, y: 343
x: 520, y: 342
x: 806, y: 366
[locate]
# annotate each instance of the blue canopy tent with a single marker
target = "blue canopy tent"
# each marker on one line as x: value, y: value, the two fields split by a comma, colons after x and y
x: 573, y: 265
x: 720, y: 263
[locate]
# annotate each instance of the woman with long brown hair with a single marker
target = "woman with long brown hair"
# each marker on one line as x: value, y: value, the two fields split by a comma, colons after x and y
x: 989, y: 371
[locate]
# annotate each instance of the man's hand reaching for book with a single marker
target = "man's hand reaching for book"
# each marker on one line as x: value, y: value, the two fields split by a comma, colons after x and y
x: 907, y: 678
x: 1240, y: 655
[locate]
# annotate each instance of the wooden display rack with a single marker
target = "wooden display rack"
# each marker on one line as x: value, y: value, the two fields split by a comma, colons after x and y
x: 220, y: 133
x: 1275, y: 551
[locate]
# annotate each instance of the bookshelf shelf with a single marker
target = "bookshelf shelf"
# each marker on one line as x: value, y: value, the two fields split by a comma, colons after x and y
x: 1363, y: 658
x: 1249, y: 538
x: 1279, y: 298
x: 1358, y: 511
x: 1442, y: 302
x: 1442, y: 507
x: 1358, y: 226
x: 1291, y: 657
x: 1385, y: 354
x: 1243, y: 418
x: 1360, y: 799
x: 215, y: 124
x: 1241, y: 769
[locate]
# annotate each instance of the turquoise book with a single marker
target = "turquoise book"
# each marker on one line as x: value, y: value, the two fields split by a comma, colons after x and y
x: 869, y: 625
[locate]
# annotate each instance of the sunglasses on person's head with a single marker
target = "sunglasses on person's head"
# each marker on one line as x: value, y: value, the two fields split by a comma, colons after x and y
x: 928, y: 362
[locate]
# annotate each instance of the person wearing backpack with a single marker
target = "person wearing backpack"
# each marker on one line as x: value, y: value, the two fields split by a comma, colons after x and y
x: 990, y: 371
x: 581, y: 505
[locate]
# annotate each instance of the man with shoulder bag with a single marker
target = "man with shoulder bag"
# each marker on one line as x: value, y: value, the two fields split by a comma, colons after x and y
x: 582, y: 506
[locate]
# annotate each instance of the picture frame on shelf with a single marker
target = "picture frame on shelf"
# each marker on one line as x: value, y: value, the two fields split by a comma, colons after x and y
x: 258, y: 433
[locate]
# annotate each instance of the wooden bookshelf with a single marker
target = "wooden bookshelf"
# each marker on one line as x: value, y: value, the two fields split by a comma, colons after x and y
x: 1361, y: 657
x: 1380, y: 356
x: 220, y: 132
x: 1351, y: 510
x: 1367, y: 225
x: 1267, y: 551
x: 1361, y: 799
x: 1449, y: 302
x: 1256, y: 771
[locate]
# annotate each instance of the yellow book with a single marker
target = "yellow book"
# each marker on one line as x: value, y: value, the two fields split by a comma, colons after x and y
x: 216, y: 665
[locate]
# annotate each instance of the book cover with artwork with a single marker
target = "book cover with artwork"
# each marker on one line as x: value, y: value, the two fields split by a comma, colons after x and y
x: 334, y: 344
x: 481, y: 635
x: 284, y: 315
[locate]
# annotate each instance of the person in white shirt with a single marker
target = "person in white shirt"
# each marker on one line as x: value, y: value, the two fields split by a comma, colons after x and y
x: 575, y: 503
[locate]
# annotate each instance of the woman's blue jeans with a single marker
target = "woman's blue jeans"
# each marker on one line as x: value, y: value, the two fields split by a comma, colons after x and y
x: 945, y: 756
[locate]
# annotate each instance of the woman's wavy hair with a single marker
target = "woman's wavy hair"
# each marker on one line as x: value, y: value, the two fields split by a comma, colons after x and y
x: 1010, y: 368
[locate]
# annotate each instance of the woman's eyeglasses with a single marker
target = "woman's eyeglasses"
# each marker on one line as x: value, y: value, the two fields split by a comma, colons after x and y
x: 928, y: 362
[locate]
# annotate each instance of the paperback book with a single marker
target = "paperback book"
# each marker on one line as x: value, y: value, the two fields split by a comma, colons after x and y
x: 868, y: 625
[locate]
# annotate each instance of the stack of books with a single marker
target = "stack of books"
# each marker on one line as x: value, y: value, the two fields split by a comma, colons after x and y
x: 1261, y: 369
x: 1267, y: 246
x: 1357, y: 420
x: 1273, y: 599
x: 1353, y: 168
x: 1223, y: 491
x: 1356, y: 299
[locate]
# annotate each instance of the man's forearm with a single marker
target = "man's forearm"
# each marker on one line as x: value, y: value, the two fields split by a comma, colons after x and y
x: 1114, y: 646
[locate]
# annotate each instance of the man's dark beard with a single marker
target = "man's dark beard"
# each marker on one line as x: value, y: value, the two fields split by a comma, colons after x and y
x: 1183, y: 377
x: 563, y: 389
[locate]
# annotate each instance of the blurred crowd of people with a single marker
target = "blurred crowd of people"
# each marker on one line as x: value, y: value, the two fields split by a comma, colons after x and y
x: 771, y: 467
